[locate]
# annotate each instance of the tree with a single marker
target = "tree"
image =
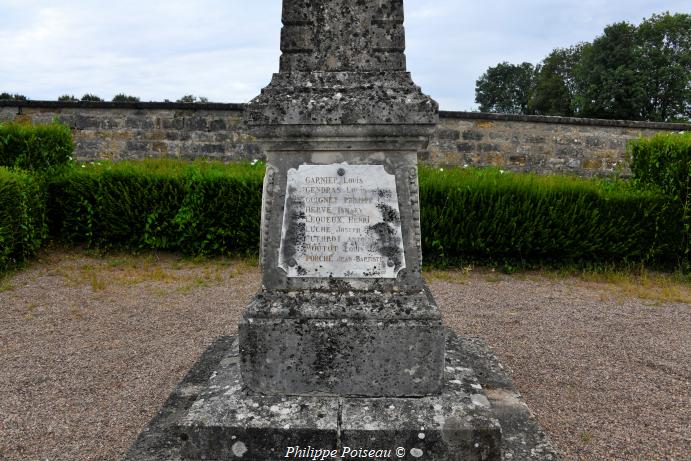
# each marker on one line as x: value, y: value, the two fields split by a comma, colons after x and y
x: 638, y: 73
x: 629, y: 72
x: 555, y: 88
x: 12, y: 97
x: 189, y: 98
x: 67, y: 98
x: 122, y: 97
x: 505, y: 88
x: 608, y: 84
x: 91, y: 97
x: 663, y: 58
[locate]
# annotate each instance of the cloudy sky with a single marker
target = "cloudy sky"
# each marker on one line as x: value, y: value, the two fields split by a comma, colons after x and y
x: 226, y: 50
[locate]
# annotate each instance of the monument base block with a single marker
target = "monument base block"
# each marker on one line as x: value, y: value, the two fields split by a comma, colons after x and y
x: 479, y: 416
x: 230, y: 422
x: 346, y: 344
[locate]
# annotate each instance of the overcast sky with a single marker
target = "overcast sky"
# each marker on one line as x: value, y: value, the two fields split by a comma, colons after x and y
x: 226, y: 50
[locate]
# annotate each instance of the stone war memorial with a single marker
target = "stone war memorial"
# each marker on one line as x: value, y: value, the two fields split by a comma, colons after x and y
x: 342, y: 354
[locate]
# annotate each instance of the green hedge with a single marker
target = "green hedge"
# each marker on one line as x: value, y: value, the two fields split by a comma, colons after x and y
x: 35, y: 147
x: 199, y: 208
x: 490, y: 216
x: 663, y: 162
x: 467, y: 215
x: 22, y: 217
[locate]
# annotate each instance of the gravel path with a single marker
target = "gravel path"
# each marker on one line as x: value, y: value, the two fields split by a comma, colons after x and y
x: 91, y: 347
x: 608, y: 377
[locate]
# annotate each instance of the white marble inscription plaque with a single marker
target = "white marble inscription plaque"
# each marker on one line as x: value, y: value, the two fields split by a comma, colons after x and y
x: 341, y: 221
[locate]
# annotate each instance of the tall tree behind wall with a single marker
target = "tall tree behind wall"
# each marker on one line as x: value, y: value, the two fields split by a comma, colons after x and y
x: 629, y: 72
x: 608, y: 85
x: 663, y: 55
x: 555, y: 87
x: 505, y: 88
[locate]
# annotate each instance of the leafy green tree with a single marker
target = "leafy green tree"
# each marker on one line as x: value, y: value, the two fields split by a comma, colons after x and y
x: 663, y: 58
x: 555, y: 86
x: 190, y: 98
x: 608, y: 84
x: 629, y: 72
x: 12, y: 97
x: 91, y: 97
x: 505, y: 88
x: 67, y: 98
x: 638, y: 73
x: 121, y: 97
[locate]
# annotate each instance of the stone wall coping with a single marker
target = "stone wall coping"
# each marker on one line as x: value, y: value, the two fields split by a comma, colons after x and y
x: 566, y: 120
x: 195, y: 106
x: 443, y: 114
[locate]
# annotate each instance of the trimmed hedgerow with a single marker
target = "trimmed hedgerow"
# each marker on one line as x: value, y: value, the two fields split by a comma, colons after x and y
x: 198, y: 208
x: 468, y: 215
x: 525, y: 219
x: 22, y: 217
x: 35, y: 147
x: 664, y: 162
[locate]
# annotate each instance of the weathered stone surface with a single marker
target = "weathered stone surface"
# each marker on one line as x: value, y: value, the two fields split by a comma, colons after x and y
x: 402, y: 164
x: 537, y: 144
x: 342, y: 98
x: 226, y: 420
x: 306, y: 304
x: 343, y: 63
x: 333, y: 35
x: 358, y: 351
x: 519, y: 135
x: 338, y: 342
x: 457, y: 425
x: 366, y: 344
x: 522, y: 439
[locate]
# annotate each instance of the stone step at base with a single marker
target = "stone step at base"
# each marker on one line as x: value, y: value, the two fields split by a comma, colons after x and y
x: 479, y: 416
x: 229, y: 422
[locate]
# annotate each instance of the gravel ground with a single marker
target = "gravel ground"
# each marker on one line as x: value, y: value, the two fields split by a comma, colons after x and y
x: 607, y: 376
x: 91, y: 347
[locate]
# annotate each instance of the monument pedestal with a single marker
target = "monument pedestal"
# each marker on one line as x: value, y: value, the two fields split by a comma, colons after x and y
x: 347, y: 344
x: 343, y: 348
x: 229, y: 422
x: 211, y: 416
x: 343, y: 308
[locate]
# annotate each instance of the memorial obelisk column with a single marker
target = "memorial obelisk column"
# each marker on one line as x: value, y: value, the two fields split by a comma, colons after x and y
x: 343, y: 347
x: 342, y: 353
x: 343, y: 309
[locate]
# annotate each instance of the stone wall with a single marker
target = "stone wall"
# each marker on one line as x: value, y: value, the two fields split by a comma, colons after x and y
x: 119, y: 131
x: 584, y: 147
x: 521, y: 143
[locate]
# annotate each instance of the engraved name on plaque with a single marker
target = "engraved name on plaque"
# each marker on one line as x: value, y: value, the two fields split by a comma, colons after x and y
x: 341, y: 221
